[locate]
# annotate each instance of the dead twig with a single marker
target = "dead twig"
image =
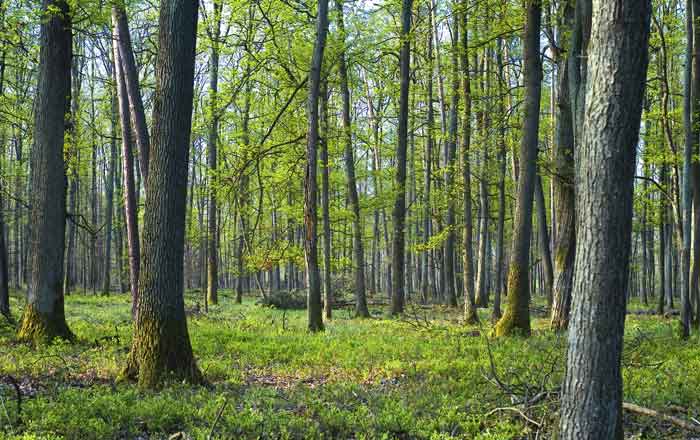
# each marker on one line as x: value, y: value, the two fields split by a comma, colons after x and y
x: 631, y: 407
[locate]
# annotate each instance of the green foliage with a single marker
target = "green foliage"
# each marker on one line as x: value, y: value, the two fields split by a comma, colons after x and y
x: 367, y: 379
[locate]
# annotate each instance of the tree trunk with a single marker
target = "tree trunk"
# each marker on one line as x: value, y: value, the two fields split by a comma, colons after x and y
x: 543, y: 236
x: 361, y: 309
x: 44, y: 316
x: 496, y: 315
x: 161, y: 345
x: 315, y: 317
x: 399, y: 211
x: 138, y: 115
x: 212, y: 148
x: 129, y: 185
x: 325, y: 204
x: 470, y: 313
x: 451, y: 162
x: 592, y: 391
x: 517, y: 313
x: 109, y: 206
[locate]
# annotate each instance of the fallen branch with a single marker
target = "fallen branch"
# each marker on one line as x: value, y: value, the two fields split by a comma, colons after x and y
x: 515, y: 410
x: 653, y: 413
x: 216, y: 420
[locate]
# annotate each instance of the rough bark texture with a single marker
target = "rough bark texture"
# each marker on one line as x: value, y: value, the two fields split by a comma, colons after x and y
x: 128, y: 182
x: 315, y: 318
x: 161, y: 346
x: 517, y: 314
x: 399, y: 211
x: 564, y: 198
x: 592, y: 391
x: 44, y: 316
x: 470, y: 313
x: 695, y: 169
x: 361, y: 309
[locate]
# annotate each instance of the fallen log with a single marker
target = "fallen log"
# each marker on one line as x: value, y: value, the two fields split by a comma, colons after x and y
x: 688, y: 426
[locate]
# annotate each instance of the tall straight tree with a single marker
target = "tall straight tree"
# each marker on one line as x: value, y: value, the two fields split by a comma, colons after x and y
x: 128, y: 180
x: 212, y: 148
x: 361, y: 309
x: 325, y: 203
x: 451, y: 161
x: 695, y: 168
x: 4, y: 275
x: 470, y: 314
x: 399, y: 211
x: 161, y: 345
x: 44, y: 317
x: 517, y: 312
x: 617, y: 62
x: 315, y: 317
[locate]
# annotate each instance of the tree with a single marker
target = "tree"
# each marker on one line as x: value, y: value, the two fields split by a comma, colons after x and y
x: 161, y: 346
x: 349, y: 157
x: 44, y: 317
x: 310, y: 183
x: 517, y: 313
x: 618, y: 57
x: 399, y: 211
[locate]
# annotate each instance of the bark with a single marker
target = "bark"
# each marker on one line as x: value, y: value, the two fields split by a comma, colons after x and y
x: 128, y: 183
x: 4, y: 275
x: 212, y: 148
x: 122, y: 38
x: 399, y: 211
x: 496, y: 315
x: 361, y: 309
x: 451, y: 164
x: 470, y: 313
x: 44, y: 315
x: 543, y: 237
x: 315, y: 318
x: 109, y: 206
x: 564, y: 197
x: 695, y: 169
x: 686, y: 208
x: 161, y: 346
x: 426, y: 278
x: 592, y: 391
x: 325, y: 205
x: 517, y: 314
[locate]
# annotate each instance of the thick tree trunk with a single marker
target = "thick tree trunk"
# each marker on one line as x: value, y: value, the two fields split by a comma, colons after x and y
x: 361, y: 309
x: 315, y: 317
x: 695, y: 169
x: 129, y: 185
x: 161, y: 345
x: 517, y: 313
x: 44, y: 316
x: 592, y: 391
x: 399, y: 211
x: 212, y: 148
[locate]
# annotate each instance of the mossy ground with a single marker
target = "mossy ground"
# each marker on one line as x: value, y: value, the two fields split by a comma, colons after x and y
x: 425, y: 377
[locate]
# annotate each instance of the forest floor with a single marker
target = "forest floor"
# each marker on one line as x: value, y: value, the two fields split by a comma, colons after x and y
x: 424, y: 376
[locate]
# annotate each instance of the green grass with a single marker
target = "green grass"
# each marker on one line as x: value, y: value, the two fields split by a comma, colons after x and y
x: 426, y: 377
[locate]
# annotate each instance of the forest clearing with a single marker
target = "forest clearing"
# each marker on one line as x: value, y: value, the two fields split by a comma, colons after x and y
x: 424, y: 376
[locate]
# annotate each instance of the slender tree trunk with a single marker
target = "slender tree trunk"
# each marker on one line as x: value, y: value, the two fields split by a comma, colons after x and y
x: 129, y: 186
x: 361, y: 309
x: 212, y: 148
x: 451, y: 162
x: 161, y: 345
x: 399, y: 212
x: 44, y: 316
x: 470, y: 313
x: 517, y: 314
x: 4, y: 275
x: 543, y: 236
x: 496, y: 315
x: 325, y: 204
x: 109, y: 206
x: 315, y: 317
x: 138, y: 115
x: 695, y: 169
x: 592, y: 391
